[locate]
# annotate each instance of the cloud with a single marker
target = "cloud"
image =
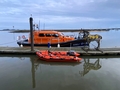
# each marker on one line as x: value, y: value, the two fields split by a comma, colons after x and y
x: 56, y: 13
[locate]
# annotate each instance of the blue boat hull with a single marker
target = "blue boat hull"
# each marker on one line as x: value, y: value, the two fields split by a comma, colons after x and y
x: 73, y: 43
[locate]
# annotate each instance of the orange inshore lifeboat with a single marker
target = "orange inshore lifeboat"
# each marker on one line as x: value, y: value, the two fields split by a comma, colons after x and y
x: 57, y: 57
x: 70, y: 53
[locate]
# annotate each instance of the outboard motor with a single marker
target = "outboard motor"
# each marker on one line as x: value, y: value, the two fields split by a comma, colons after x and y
x: 71, y: 53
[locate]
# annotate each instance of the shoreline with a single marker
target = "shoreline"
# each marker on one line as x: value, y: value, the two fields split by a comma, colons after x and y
x: 62, y: 30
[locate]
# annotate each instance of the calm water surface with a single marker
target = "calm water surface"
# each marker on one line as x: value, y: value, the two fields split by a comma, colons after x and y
x: 28, y: 73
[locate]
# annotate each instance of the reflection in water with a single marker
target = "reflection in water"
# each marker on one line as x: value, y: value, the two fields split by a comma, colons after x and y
x: 33, y: 72
x: 69, y: 72
x: 26, y: 72
x: 37, y: 63
x: 87, y: 66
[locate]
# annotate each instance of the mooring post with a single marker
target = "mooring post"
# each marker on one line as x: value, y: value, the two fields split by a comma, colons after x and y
x: 31, y: 33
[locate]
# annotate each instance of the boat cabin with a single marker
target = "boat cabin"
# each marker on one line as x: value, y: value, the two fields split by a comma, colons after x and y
x: 51, y: 36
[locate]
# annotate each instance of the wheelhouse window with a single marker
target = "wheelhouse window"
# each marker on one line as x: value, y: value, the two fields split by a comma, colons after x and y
x: 48, y: 35
x: 41, y: 35
x: 55, y: 35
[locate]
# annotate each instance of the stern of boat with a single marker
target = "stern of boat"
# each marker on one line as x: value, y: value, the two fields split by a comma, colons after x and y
x: 22, y: 42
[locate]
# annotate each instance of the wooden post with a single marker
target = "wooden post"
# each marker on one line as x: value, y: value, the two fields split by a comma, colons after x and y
x: 31, y: 33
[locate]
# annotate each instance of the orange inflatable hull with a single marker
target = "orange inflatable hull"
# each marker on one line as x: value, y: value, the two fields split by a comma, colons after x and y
x: 51, y: 57
x: 62, y: 53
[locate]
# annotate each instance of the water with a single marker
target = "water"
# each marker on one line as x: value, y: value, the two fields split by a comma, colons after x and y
x: 27, y: 73
x: 10, y: 39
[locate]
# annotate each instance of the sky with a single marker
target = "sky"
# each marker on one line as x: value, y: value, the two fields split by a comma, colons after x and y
x: 60, y: 14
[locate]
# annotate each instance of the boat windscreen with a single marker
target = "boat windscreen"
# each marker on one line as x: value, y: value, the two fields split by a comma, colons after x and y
x: 61, y: 34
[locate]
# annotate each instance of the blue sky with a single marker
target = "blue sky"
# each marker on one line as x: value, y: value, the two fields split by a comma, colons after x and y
x: 60, y: 14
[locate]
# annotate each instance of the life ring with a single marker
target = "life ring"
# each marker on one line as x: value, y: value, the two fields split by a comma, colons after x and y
x: 23, y: 37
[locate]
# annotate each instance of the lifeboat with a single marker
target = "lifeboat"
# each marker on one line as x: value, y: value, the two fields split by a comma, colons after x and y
x: 62, y: 53
x: 55, y: 38
x: 48, y: 56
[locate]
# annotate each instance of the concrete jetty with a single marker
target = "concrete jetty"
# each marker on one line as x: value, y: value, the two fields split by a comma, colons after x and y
x: 82, y: 51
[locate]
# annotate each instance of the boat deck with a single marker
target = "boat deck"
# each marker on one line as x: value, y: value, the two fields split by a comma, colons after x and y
x: 82, y: 51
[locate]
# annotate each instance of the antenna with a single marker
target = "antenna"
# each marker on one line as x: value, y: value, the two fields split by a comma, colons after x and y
x: 34, y: 26
x: 39, y: 25
x: 44, y: 26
